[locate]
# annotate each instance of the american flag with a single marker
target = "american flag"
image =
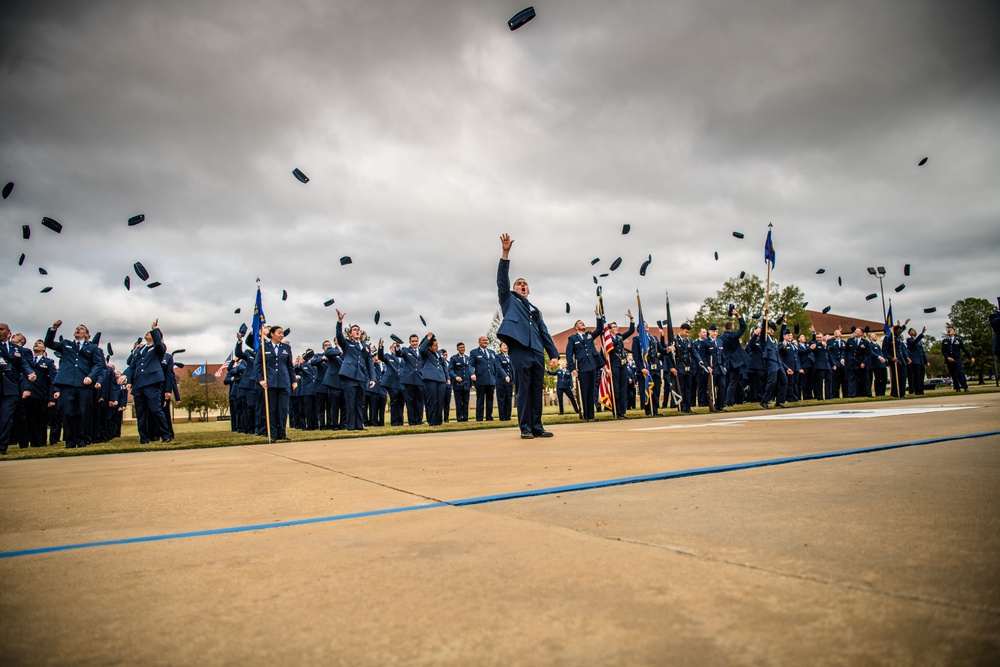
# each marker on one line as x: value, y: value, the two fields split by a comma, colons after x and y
x: 225, y: 365
x: 604, y: 392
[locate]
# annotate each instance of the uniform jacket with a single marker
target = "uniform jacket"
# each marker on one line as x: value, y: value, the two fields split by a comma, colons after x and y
x: 280, y: 370
x: 74, y: 364
x: 482, y: 363
x: 735, y: 356
x: 357, y: 363
x: 522, y: 323
x: 145, y: 364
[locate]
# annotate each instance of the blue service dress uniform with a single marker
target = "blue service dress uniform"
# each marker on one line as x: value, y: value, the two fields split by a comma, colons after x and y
x: 582, y: 357
x: 528, y: 339
x: 918, y: 363
x: 504, y: 374
x: 77, y: 362
x: 393, y: 386
x: 413, y: 385
x: 357, y: 372
x: 459, y: 371
x: 433, y: 375
x: 145, y: 378
x: 952, y: 348
x: 280, y: 377
x: 481, y: 363
x: 737, y: 360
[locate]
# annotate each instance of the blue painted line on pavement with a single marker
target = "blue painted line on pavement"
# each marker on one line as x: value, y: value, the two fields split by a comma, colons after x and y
x: 585, y: 486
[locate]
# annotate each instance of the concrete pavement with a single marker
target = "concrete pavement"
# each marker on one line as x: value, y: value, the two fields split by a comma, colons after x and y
x: 888, y: 557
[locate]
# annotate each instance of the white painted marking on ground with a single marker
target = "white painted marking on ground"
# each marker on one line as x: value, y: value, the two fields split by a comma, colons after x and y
x: 822, y: 414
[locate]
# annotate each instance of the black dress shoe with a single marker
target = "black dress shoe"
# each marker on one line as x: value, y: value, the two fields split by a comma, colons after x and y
x: 527, y: 436
x: 166, y: 440
x: 543, y: 434
x: 765, y: 405
x: 780, y: 405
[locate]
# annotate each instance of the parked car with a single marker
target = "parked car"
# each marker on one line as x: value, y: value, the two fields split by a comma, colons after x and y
x: 934, y: 383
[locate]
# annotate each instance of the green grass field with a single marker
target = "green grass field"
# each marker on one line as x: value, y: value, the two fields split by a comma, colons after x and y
x: 201, y: 434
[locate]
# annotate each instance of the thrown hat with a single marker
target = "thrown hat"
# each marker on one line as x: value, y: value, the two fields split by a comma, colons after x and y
x: 111, y: 352
x: 645, y: 265
x: 345, y: 260
x: 287, y: 331
x: 42, y: 271
x: 930, y: 310
x: 96, y: 340
x: 626, y: 228
x: 396, y: 339
x: 328, y: 303
x: 299, y: 175
x: 820, y: 271
x: 826, y: 310
x: 153, y: 284
x: 906, y: 270
x: 284, y: 295
x: 567, y: 306
x: 615, y: 264
x: 136, y: 219
x: 605, y: 275
x: 900, y: 287
x: 738, y: 235
x: 387, y: 323
x: 805, y: 303
x: 423, y: 321
x: 717, y: 256
x: 237, y: 311
x: 871, y: 296
x: 7, y: 189
x: 522, y: 17
x: 840, y: 281
x: 922, y: 162
x: 867, y: 329
x: 243, y: 329
x: 52, y: 224
x: 128, y: 283
x: 46, y: 290
x: 180, y: 351
x: 853, y: 328
x: 20, y: 262
x: 755, y: 316
x: 141, y: 271
x: 743, y: 274
x: 595, y: 261
x: 377, y: 315
x: 25, y: 232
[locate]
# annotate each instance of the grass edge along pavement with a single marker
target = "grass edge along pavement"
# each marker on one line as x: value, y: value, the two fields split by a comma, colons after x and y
x: 204, y: 435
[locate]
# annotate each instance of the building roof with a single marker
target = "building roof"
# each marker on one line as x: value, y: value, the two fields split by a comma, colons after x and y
x: 831, y: 321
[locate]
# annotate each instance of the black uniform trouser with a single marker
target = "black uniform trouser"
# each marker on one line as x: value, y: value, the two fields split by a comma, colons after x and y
x: 335, y: 419
x: 586, y: 381
x: 376, y: 409
x: 858, y: 383
x: 36, y: 419
x: 822, y: 384
x: 619, y: 380
x: 688, y: 388
x: 277, y: 407
x: 916, y: 372
x: 434, y: 405
x: 8, y: 403
x: 149, y: 414
x: 776, y: 388
x: 354, y: 404
x: 736, y: 379
x: 504, y: 391
x: 572, y: 399
x: 462, y: 403
x: 320, y: 399
x: 396, y: 407
x: 881, y: 377
x: 484, y: 402
x: 414, y: 403
x: 898, y: 373
x: 529, y: 376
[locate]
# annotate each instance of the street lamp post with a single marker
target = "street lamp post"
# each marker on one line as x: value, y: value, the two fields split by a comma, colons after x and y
x: 880, y: 274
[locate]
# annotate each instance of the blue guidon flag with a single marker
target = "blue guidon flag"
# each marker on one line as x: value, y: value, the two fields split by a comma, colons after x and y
x: 198, y: 371
x: 769, y: 250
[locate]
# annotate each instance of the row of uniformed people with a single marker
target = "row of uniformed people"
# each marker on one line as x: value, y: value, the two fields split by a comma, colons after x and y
x: 766, y: 369
x: 82, y: 399
x: 348, y: 384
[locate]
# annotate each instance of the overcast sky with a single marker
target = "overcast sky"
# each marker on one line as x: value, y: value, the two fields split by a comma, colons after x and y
x: 428, y: 128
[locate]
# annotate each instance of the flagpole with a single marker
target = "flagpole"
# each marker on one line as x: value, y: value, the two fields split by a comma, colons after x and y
x: 767, y: 287
x: 263, y: 365
x: 607, y: 361
x: 895, y: 355
x: 206, y: 390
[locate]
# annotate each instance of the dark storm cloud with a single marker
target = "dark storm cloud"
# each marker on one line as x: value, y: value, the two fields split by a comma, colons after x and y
x: 427, y: 128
